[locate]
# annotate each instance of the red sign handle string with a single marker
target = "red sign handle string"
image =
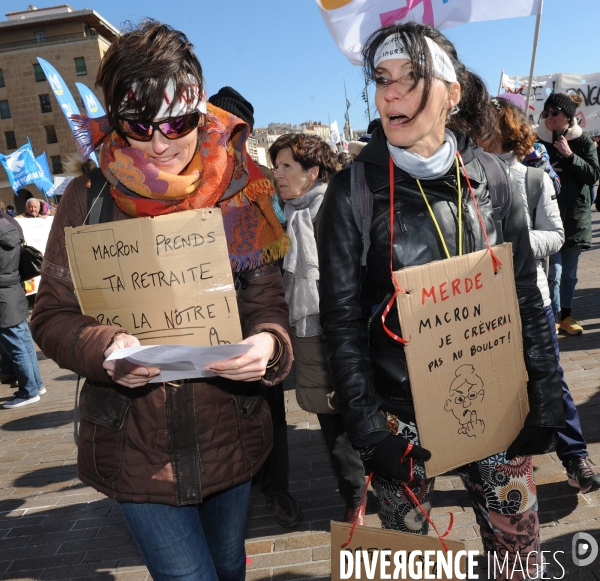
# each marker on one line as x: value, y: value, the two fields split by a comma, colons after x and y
x: 418, y: 504
x: 397, y: 288
x: 363, y: 500
x: 411, y: 496
x: 495, y: 260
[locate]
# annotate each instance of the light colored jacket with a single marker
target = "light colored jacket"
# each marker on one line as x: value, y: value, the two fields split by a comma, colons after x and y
x: 547, y: 234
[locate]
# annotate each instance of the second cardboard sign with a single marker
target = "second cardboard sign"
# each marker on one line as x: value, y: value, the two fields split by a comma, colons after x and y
x: 464, y: 356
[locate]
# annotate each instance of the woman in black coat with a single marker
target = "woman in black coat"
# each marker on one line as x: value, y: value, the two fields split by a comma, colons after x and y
x: 432, y: 108
x: 573, y: 155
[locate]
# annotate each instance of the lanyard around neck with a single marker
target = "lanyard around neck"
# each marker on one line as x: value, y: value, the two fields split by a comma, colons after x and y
x: 437, y: 226
x: 397, y: 289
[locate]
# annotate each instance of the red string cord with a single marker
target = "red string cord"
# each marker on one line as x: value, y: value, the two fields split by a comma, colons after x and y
x: 362, y: 501
x: 397, y: 288
x: 495, y: 260
x: 416, y: 501
x: 412, y: 497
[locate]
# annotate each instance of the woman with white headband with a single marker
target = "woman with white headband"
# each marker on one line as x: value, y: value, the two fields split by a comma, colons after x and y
x: 432, y: 110
x: 177, y: 456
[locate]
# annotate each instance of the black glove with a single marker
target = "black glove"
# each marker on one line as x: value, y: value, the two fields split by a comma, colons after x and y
x: 384, y: 458
x: 531, y: 440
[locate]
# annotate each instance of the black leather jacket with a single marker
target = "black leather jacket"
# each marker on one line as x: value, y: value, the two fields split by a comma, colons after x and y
x: 368, y: 367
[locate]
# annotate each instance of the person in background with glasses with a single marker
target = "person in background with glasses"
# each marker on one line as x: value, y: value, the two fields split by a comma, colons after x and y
x: 178, y: 458
x: 574, y: 157
x: 515, y: 136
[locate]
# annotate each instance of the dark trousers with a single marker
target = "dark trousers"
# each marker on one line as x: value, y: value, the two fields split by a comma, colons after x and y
x: 569, y: 440
x: 199, y: 541
x: 346, y: 462
x: 274, y: 475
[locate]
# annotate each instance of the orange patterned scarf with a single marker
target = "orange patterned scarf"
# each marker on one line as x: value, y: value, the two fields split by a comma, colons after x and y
x: 220, y: 174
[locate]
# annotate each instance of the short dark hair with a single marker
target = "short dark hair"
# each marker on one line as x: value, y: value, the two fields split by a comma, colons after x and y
x: 309, y: 151
x: 147, y: 55
x: 474, y: 117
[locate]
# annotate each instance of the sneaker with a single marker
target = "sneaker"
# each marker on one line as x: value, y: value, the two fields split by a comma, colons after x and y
x: 571, y: 326
x: 17, y: 402
x: 580, y: 474
x: 285, y: 507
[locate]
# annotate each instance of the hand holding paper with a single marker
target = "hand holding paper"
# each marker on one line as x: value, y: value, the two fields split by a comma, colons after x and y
x: 172, y: 362
x: 252, y: 365
x: 122, y: 371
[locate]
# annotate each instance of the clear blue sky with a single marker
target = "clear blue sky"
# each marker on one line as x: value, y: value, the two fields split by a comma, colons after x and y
x: 280, y: 56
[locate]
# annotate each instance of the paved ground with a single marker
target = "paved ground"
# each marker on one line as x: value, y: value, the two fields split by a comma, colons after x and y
x: 54, y: 527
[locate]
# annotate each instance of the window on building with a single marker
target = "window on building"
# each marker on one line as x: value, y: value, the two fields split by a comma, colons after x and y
x: 2, y: 79
x: 10, y: 139
x: 56, y: 164
x: 80, y: 68
x: 40, y: 36
x: 50, y: 134
x: 4, y: 110
x: 45, y: 103
x: 38, y: 73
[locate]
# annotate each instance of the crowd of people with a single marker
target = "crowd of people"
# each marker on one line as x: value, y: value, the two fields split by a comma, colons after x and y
x: 315, y: 288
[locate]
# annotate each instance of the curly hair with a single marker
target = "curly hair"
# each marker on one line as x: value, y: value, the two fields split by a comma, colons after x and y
x: 513, y: 131
x: 474, y: 117
x: 148, y: 56
x: 309, y: 151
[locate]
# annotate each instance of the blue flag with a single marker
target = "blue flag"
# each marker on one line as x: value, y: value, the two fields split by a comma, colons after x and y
x: 21, y: 167
x: 90, y: 101
x: 45, y: 181
x: 62, y: 94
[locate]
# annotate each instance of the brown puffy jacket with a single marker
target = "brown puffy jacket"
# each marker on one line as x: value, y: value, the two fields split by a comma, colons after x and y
x: 164, y: 443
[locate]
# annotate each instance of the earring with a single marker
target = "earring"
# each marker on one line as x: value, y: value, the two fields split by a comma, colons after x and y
x: 454, y: 110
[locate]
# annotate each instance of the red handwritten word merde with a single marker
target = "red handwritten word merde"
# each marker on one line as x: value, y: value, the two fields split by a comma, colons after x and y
x: 451, y: 288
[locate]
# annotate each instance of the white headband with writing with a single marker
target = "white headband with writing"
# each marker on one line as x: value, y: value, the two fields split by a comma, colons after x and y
x: 189, y: 101
x: 393, y: 48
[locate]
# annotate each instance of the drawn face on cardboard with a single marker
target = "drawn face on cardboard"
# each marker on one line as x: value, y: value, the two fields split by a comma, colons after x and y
x: 466, y: 392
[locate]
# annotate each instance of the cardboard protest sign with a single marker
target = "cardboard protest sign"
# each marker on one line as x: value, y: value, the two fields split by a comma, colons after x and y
x: 167, y: 280
x: 465, y: 356
x: 375, y: 553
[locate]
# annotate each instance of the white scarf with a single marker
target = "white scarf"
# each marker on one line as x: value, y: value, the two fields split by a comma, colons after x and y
x: 429, y: 168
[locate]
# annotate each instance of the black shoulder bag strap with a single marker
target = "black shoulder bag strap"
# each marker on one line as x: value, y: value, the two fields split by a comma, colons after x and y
x: 99, y: 201
x: 497, y: 173
x: 362, y: 205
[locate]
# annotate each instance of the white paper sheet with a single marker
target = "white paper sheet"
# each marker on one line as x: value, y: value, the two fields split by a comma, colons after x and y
x: 178, y: 361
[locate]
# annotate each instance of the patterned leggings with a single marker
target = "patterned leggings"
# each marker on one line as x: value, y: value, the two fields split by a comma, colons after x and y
x: 504, y: 499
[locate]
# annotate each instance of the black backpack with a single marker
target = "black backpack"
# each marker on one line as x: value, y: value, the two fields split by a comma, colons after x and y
x: 496, y: 171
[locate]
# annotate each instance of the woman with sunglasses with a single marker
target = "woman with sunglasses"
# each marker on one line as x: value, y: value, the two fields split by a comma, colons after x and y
x: 178, y: 457
x: 432, y: 109
x: 573, y: 155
